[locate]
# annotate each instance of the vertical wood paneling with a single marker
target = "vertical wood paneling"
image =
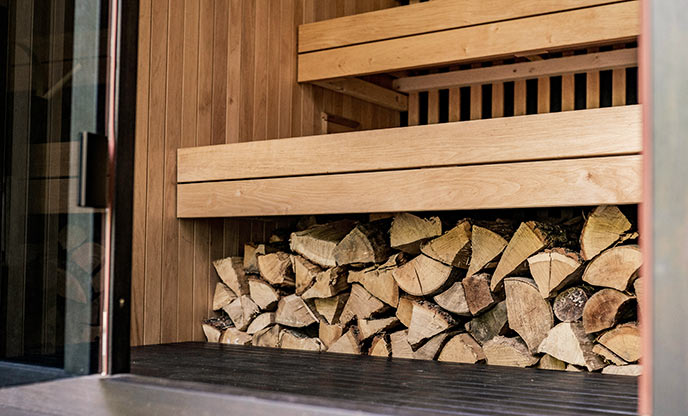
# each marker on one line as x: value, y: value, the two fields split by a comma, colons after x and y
x: 498, y: 100
x: 592, y: 85
x: 519, y: 98
x: 543, y: 95
x: 214, y: 71
x: 433, y: 107
x: 568, y: 90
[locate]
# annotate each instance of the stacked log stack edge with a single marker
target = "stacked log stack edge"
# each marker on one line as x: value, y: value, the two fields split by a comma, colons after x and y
x: 552, y: 294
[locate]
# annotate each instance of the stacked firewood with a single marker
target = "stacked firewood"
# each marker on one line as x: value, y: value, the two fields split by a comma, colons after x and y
x: 544, y: 293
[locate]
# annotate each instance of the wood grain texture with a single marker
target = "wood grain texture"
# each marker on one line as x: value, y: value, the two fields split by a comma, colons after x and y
x: 569, y: 182
x: 200, y: 82
x: 606, y: 131
x: 423, y: 18
x: 602, y: 24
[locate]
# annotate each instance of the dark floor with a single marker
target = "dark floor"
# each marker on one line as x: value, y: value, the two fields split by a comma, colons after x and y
x: 385, y: 386
x: 15, y: 374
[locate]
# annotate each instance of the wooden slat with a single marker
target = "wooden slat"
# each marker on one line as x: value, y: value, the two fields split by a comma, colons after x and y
x: 592, y: 87
x: 519, y: 98
x: 543, y: 95
x: 605, y: 131
x: 603, y: 24
x: 454, y: 104
x: 497, y: 99
x: 569, y: 182
x: 433, y: 107
x: 413, y: 110
x: 623, y: 58
x: 423, y: 18
x: 367, y: 91
x: 568, y: 89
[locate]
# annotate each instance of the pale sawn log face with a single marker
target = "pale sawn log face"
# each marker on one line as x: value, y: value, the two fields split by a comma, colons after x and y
x: 424, y: 287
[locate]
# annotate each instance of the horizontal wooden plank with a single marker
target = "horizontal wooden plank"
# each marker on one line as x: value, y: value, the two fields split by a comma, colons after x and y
x: 367, y: 91
x: 423, y: 18
x: 623, y: 58
x: 569, y: 182
x: 598, y: 132
x: 576, y: 28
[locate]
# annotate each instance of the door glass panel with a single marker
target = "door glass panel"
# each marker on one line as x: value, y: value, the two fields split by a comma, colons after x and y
x: 53, y: 81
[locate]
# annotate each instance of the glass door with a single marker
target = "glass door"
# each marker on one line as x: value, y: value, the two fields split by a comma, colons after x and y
x: 54, y: 190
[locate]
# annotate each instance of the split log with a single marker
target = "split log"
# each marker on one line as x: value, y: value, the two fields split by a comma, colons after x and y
x: 486, y: 246
x: 453, y: 248
x: 608, y: 355
x: 327, y: 283
x: 478, y: 294
x: 488, y: 325
x: 529, y: 314
x: 430, y: 349
x: 399, y: 345
x: 251, y: 253
x: 423, y: 276
x: 547, y: 362
x: 568, y: 342
x: 317, y: 243
x: 569, y: 305
x: 242, y: 311
x: 361, y: 304
x: 231, y: 272
x: 369, y: 327
x: 605, y: 308
x: 530, y: 237
x: 604, y: 226
x: 462, y: 348
x: 379, y: 347
x: 233, y: 336
x: 508, y: 352
x: 212, y: 334
x: 427, y: 320
x: 331, y: 308
x: 624, y: 370
x: 409, y: 231
x: 624, y: 341
x: 365, y: 244
x: 304, y: 273
x: 293, y: 340
x: 223, y: 296
x: 638, y: 290
x: 293, y: 311
x: 614, y: 268
x: 405, y: 309
x: 267, y: 337
x: 264, y: 295
x: 349, y: 343
x: 573, y: 368
x: 328, y: 334
x: 276, y: 268
x: 379, y: 280
x: 554, y: 269
x: 454, y: 300
x: 261, y: 321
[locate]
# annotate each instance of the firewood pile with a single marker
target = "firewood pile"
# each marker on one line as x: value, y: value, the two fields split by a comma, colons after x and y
x: 552, y: 294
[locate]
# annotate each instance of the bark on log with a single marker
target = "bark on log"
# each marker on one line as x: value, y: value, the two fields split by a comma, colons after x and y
x: 423, y: 276
x: 427, y: 320
x: 453, y: 248
x: 488, y: 325
x: 223, y: 296
x: 614, y: 268
x: 409, y: 231
x: 242, y: 311
x: 294, y: 340
x: 331, y: 308
x: 276, y: 269
x: 361, y: 304
x: 233, y: 336
x: 264, y: 295
x: 379, y: 280
x: 261, y: 321
x: 370, y: 327
x: 293, y: 311
x: 486, y: 246
x: 604, y: 226
x: 267, y: 337
x: 478, y: 294
x: 624, y: 341
x: 304, y: 273
x: 553, y: 269
x: 327, y: 283
x: 231, y: 272
x: 508, y: 352
x: 569, y: 305
x: 462, y: 348
x: 365, y: 244
x: 317, y: 243
x: 568, y: 342
x: 349, y: 343
x: 454, y: 300
x: 528, y: 313
x: 328, y: 334
x: 605, y: 308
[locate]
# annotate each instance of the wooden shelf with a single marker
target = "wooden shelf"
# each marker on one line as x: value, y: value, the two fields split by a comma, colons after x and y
x: 585, y: 157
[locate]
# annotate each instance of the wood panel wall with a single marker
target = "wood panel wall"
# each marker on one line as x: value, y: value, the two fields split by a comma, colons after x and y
x: 211, y: 72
